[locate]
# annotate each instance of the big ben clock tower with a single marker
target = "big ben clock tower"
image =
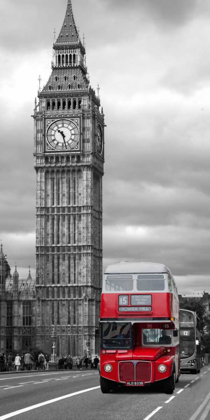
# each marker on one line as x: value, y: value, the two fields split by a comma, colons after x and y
x: 69, y: 160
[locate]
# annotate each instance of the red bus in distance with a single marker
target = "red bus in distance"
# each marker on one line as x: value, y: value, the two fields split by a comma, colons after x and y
x: 139, y: 327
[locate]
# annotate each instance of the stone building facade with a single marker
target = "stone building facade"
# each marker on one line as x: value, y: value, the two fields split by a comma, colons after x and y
x: 62, y: 304
x: 69, y: 160
x: 17, y: 310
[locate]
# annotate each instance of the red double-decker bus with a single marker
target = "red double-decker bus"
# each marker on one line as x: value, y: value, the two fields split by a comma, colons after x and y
x: 139, y: 327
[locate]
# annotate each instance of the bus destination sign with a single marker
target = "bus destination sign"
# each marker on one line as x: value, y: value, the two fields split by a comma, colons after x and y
x: 135, y: 308
x: 138, y: 300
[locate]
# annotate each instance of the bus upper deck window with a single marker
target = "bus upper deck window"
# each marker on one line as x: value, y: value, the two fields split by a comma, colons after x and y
x: 121, y: 283
x: 151, y: 282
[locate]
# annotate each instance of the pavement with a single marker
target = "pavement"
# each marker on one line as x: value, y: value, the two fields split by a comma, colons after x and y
x: 19, y: 372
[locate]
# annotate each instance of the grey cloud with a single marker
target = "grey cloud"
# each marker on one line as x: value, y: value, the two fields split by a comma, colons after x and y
x: 185, y: 252
x: 19, y: 249
x: 17, y: 175
x: 138, y: 206
x: 31, y: 24
x: 161, y: 11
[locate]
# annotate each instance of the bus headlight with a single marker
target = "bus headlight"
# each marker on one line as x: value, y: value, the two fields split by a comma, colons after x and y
x: 108, y: 368
x: 162, y: 368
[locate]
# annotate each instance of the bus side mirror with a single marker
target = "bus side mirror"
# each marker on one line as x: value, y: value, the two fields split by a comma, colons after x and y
x: 175, y: 333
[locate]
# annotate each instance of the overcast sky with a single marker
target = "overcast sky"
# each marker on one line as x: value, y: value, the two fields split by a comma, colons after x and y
x: 151, y: 59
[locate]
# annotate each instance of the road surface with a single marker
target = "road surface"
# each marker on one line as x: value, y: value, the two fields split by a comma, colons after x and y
x: 76, y: 395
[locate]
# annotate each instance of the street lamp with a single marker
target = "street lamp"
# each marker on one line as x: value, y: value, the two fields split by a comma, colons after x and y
x: 53, y: 336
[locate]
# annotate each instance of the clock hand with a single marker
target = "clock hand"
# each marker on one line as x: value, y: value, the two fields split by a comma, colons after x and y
x: 62, y: 133
x: 64, y: 137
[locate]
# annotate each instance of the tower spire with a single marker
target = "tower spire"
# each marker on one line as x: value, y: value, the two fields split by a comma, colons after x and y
x: 69, y: 33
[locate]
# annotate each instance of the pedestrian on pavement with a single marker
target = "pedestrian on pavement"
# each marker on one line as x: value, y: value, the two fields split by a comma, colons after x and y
x: 9, y: 361
x: 1, y: 362
x: 28, y: 361
x: 86, y: 362
x: 79, y: 363
x: 47, y: 359
x: 95, y: 362
x: 69, y: 361
x: 17, y: 362
x: 41, y: 361
x: 22, y: 362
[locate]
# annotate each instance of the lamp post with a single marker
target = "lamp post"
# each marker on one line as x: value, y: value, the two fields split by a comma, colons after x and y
x: 53, y: 336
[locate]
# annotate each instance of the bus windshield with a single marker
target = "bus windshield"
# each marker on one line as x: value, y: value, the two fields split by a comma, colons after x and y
x: 116, y: 336
x: 187, y: 349
x: 119, y: 284
x: 156, y: 336
x: 154, y: 282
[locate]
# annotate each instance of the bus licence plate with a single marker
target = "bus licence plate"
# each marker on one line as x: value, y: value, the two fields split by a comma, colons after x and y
x: 135, y: 383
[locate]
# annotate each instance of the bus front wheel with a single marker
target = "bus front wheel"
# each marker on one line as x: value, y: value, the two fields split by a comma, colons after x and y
x: 170, y: 384
x: 105, y: 385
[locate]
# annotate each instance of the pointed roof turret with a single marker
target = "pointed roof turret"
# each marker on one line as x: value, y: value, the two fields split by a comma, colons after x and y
x: 29, y: 278
x: 15, y: 275
x: 1, y: 251
x: 69, y: 33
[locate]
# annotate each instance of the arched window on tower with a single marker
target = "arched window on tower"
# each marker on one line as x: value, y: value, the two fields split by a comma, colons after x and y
x: 48, y: 105
x: 53, y: 105
x: 74, y: 59
x: 67, y: 59
x: 80, y: 103
x: 70, y: 59
x: 74, y: 104
x: 69, y: 103
x: 63, y: 59
x: 64, y: 104
x: 59, y: 59
x: 59, y: 104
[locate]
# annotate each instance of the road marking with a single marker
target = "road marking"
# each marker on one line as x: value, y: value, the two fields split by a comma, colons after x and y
x: 63, y: 378
x: 170, y: 399
x: 26, y: 383
x: 11, y: 387
x: 187, y: 385
x: 36, y: 383
x: 199, y: 408
x: 149, y: 416
x: 47, y: 380
x: 33, y: 407
x: 205, y: 413
x: 87, y: 374
x: 32, y: 376
x: 179, y: 392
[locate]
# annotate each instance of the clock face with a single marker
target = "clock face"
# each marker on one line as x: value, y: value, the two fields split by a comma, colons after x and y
x: 99, y: 140
x: 63, y: 135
